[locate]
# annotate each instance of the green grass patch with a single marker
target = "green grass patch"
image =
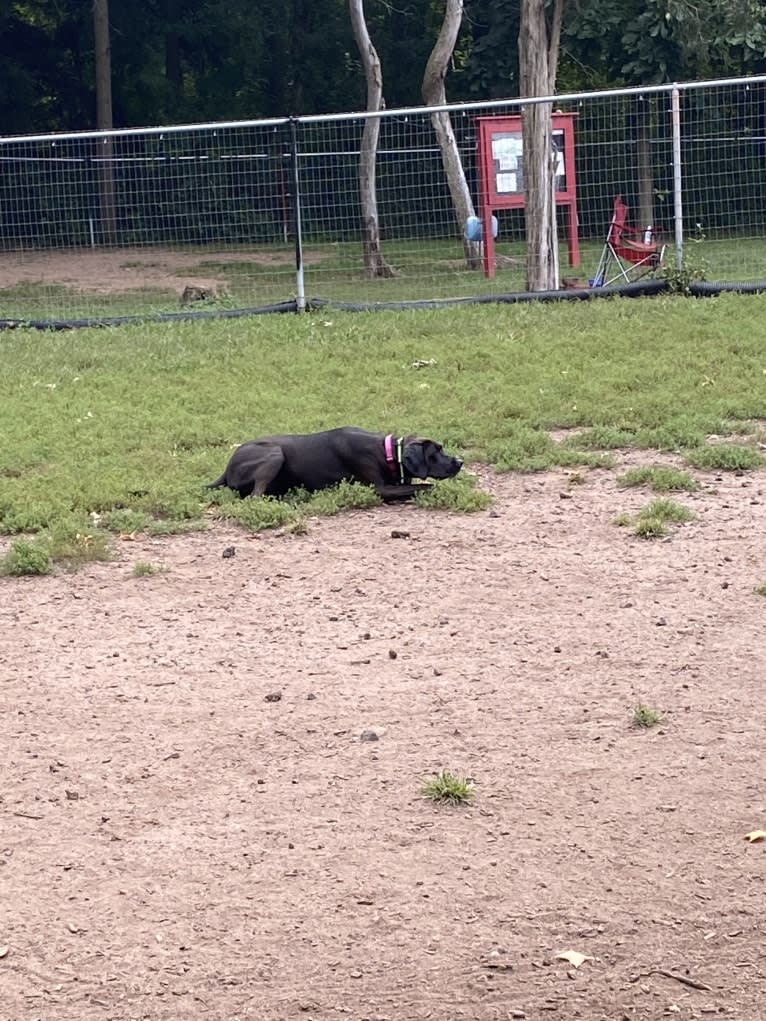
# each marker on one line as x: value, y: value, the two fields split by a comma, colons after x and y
x: 130, y: 423
x: 26, y: 557
x: 760, y: 590
x: 458, y: 494
x: 146, y: 569
x: 644, y: 717
x: 346, y: 496
x: 725, y: 457
x: 652, y: 521
x: 68, y: 543
x: 448, y: 787
x: 660, y: 478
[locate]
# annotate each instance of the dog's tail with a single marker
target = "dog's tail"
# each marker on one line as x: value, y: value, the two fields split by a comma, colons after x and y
x: 218, y: 484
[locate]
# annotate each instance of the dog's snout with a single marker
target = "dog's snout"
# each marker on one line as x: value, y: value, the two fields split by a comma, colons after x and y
x: 458, y: 461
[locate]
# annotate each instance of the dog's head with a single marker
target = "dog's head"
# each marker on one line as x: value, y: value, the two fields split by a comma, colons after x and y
x: 427, y: 459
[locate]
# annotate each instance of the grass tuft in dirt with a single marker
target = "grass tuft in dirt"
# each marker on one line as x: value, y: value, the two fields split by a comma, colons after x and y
x: 644, y: 717
x: 72, y: 545
x: 725, y: 457
x: 145, y: 569
x: 660, y: 478
x: 651, y: 521
x: 458, y: 494
x: 760, y: 590
x: 345, y: 496
x: 26, y: 557
x: 448, y: 787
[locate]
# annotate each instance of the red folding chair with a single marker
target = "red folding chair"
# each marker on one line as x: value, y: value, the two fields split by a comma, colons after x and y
x: 629, y: 252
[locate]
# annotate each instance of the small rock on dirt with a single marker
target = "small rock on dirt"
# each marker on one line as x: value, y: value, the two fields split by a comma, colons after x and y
x: 398, y: 533
x: 372, y: 734
x: 392, y: 653
x: 229, y: 552
x: 273, y: 696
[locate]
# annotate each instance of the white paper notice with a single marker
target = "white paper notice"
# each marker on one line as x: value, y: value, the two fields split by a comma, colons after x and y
x: 506, y: 182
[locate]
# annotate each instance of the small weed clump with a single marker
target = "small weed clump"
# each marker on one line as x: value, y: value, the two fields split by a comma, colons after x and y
x: 660, y: 478
x: 448, y: 787
x: 651, y: 522
x: 645, y: 717
x: 725, y: 457
x: 145, y: 569
x: 760, y: 590
x: 26, y: 557
x: 458, y: 494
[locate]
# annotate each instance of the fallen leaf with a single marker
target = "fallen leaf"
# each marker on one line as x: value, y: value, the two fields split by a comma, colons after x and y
x: 574, y: 957
x: 755, y: 835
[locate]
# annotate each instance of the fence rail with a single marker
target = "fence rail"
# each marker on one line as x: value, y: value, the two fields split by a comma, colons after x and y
x: 127, y: 221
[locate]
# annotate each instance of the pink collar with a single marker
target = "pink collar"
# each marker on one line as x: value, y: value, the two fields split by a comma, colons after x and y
x: 393, y: 448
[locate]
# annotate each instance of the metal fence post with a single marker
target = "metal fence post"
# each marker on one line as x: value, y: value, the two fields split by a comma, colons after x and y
x: 678, y: 210
x: 300, y: 290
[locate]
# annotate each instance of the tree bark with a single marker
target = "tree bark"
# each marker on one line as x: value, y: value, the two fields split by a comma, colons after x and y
x: 374, y: 263
x: 104, y: 147
x: 435, y: 94
x: 538, y: 58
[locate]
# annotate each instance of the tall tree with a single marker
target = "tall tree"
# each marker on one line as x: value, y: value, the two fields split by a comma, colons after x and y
x: 435, y: 94
x: 374, y: 263
x: 539, y: 38
x: 104, y: 147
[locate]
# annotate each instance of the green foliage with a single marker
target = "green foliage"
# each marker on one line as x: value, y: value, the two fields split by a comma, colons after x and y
x: 346, y: 496
x: 72, y: 544
x: 458, y: 494
x: 725, y: 457
x: 72, y: 453
x: 26, y: 556
x: 262, y: 513
x: 651, y: 522
x: 644, y: 717
x: 660, y: 478
x: 448, y: 787
x: 145, y: 569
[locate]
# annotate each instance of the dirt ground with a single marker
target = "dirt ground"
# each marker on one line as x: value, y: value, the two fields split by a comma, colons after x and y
x: 116, y: 270
x: 192, y: 827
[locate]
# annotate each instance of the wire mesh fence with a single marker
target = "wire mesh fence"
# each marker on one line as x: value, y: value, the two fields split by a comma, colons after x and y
x: 219, y: 216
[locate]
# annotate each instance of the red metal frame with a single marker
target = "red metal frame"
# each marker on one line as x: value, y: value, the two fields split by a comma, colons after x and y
x: 499, y: 184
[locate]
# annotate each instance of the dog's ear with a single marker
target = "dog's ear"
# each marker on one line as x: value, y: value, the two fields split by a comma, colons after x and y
x: 417, y: 456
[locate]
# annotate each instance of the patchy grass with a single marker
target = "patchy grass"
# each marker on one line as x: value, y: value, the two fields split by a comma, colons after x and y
x: 25, y: 557
x: 495, y: 388
x: 146, y: 569
x: 760, y: 590
x: 651, y: 521
x: 448, y: 787
x: 725, y: 457
x: 458, y: 494
x: 659, y: 478
x: 644, y: 717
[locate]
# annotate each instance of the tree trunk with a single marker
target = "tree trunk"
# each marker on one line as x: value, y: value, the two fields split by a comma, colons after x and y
x: 435, y: 94
x: 104, y: 147
x: 374, y: 263
x: 538, y: 57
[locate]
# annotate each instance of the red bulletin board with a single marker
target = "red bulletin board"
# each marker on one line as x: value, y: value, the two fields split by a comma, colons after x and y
x: 501, y: 162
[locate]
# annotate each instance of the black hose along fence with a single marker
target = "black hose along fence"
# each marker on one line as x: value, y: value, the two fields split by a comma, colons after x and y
x: 291, y: 186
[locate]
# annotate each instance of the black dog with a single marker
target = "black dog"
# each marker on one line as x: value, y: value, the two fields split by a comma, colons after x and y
x: 273, y: 465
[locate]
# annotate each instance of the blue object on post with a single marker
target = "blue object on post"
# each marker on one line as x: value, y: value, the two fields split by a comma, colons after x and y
x: 474, y: 229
